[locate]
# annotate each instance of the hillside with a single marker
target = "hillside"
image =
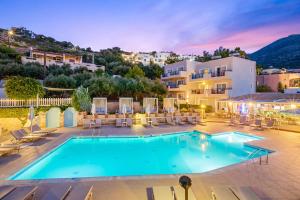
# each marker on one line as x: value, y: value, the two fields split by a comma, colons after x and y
x: 284, y: 52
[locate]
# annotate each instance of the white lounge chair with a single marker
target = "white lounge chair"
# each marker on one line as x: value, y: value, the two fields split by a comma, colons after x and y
x: 87, y: 123
x: 257, y: 124
x: 118, y: 122
x: 200, y: 121
x: 170, y: 121
x: 98, y: 123
x: 178, y: 120
x: 37, y: 129
x: 20, y: 137
x: 145, y: 122
x: 243, y: 120
x: 9, y: 148
x: 191, y: 120
x: 270, y: 124
x: 154, y: 121
x: 129, y: 122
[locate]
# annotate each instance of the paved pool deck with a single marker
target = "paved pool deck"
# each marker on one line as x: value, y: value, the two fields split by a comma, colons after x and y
x: 279, y: 179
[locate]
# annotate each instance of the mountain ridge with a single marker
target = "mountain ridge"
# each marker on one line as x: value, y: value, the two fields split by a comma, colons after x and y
x: 284, y: 52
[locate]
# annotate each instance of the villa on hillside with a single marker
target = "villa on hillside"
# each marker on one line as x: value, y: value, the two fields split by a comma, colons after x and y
x: 207, y: 82
x: 50, y: 58
x: 158, y: 58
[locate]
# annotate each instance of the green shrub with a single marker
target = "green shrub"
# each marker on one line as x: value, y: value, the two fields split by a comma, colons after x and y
x: 81, y: 99
x: 23, y: 88
x: 263, y: 88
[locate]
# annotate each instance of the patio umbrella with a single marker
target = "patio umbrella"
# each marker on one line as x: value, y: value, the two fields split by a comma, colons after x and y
x: 124, y: 110
x: 148, y: 110
x: 93, y: 110
x: 31, y: 116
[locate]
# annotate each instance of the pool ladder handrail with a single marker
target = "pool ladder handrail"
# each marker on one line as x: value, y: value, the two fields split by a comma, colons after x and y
x: 260, y: 157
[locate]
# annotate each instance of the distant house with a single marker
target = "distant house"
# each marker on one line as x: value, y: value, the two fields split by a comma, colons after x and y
x: 289, y: 81
x: 158, y: 58
x: 50, y: 58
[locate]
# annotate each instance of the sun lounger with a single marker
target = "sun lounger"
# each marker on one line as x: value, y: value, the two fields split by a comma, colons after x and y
x: 36, y: 129
x: 14, y: 146
x: 98, y: 123
x: 9, y: 148
x: 21, y: 193
x: 87, y: 123
x: 5, y: 151
x: 270, y: 124
x: 80, y: 192
x: 200, y: 121
x: 118, y: 122
x: 170, y: 121
x: 154, y: 121
x: 180, y: 193
x: 5, y: 190
x: 145, y: 122
x: 257, y: 124
x: 20, y: 137
x: 56, y: 192
x: 27, y: 132
x: 178, y: 120
x: 223, y: 193
x: 243, y: 120
x: 232, y: 122
x: 191, y: 120
x: 129, y: 122
x: 163, y: 193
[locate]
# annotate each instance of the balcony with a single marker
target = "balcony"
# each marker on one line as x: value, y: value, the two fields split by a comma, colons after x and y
x: 211, y: 75
x: 174, y: 74
x: 213, y: 91
x: 197, y: 76
x: 218, y: 74
x: 175, y: 86
x: 219, y: 91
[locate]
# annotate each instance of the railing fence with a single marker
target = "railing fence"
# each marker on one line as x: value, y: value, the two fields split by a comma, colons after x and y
x: 10, y: 103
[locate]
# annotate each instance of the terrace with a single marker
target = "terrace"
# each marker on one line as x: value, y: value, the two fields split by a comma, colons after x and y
x: 275, y: 176
x: 276, y: 180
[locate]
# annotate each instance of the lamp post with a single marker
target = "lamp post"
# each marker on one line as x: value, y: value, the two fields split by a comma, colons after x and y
x: 10, y: 33
x: 185, y: 182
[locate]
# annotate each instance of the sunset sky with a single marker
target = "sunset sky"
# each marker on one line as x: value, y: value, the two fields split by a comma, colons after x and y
x: 188, y: 26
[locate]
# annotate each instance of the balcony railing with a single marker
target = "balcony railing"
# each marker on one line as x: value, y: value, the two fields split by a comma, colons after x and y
x: 210, y: 91
x: 217, y: 74
x: 198, y: 91
x: 219, y: 90
x: 196, y: 76
x: 175, y: 85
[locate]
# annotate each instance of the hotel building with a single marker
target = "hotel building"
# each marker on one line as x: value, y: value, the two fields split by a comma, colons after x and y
x: 205, y: 83
x: 48, y: 58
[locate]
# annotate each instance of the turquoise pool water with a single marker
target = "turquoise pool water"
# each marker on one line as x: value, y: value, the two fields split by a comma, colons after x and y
x: 178, y: 153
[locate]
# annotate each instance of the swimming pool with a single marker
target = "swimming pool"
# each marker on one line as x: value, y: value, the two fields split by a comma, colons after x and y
x: 178, y: 153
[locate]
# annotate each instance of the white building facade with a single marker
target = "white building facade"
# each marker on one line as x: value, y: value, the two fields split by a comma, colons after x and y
x: 207, y: 82
x: 48, y: 58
